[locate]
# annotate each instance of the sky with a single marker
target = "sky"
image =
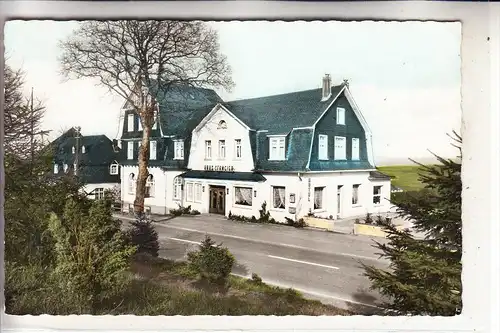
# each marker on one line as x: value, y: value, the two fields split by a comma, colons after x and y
x: 404, y: 76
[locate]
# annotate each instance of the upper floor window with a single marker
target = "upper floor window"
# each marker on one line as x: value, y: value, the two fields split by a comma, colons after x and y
x: 152, y: 150
x: 340, y: 116
x: 83, y: 149
x: 277, y: 148
x: 208, y: 149
x: 222, y: 125
x: 179, y: 150
x: 323, y: 147
x: 130, y: 150
x: 139, y: 124
x: 222, y: 149
x: 340, y: 148
x: 130, y: 123
x: 73, y: 150
x: 113, y: 169
x: 56, y: 168
x: 237, y: 148
x: 355, y: 149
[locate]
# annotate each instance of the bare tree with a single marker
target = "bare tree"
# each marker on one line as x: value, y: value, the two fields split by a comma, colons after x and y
x: 23, y: 116
x: 136, y: 59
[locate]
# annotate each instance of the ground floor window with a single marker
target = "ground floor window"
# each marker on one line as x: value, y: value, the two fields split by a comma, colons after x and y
x: 243, y: 196
x: 99, y: 193
x: 318, y: 197
x: 189, y: 191
x: 197, y: 192
x: 177, y: 188
x: 355, y: 194
x: 279, y: 197
x: 150, y: 187
x: 377, y: 193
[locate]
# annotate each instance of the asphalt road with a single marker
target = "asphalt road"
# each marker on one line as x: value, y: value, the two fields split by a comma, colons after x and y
x: 322, y: 265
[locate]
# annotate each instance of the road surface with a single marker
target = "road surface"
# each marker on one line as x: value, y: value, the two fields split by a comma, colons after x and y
x: 322, y: 265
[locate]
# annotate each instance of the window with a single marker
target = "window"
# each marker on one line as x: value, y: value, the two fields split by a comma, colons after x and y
x: 130, y: 150
x: 377, y: 193
x: 340, y: 148
x: 222, y: 149
x: 75, y: 168
x: 65, y: 167
x: 73, y: 150
x: 130, y: 123
x: 139, y: 124
x: 99, y: 193
x: 355, y: 149
x: 154, y: 125
x: 189, y: 192
x: 208, y: 150
x: 150, y: 187
x: 355, y: 194
x: 56, y: 168
x: 237, y: 145
x: 177, y: 188
x: 340, y: 116
x: 323, y: 147
x: 243, y: 196
x: 222, y: 125
x: 197, y: 192
x: 279, y: 197
x: 277, y: 148
x: 83, y: 149
x: 152, y: 150
x: 318, y: 198
x: 113, y: 169
x: 131, y: 183
x: 178, y: 150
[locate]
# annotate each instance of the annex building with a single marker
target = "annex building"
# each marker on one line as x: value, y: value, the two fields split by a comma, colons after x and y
x: 301, y: 152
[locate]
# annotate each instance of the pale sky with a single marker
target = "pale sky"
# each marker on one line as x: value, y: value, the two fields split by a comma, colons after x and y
x: 404, y: 76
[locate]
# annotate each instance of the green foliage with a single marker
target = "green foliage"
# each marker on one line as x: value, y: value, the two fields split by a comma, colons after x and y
x: 425, y: 275
x: 265, y: 216
x: 144, y: 236
x: 183, y: 211
x: 91, y: 253
x: 256, y: 278
x: 368, y: 219
x: 212, y: 261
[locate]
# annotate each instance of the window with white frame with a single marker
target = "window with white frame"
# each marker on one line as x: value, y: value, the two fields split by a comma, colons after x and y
x: 189, y: 192
x: 355, y: 149
x: 318, y: 197
x: 340, y: 148
x: 277, y: 148
x: 152, y: 150
x: 75, y: 168
x: 139, y: 124
x: 279, y: 197
x: 323, y: 147
x: 73, y: 150
x: 355, y: 194
x: 65, y: 167
x: 197, y: 192
x: 340, y: 116
x: 237, y: 148
x: 178, y: 150
x: 177, y: 188
x: 131, y: 183
x: 150, y: 187
x: 130, y: 150
x: 83, y: 149
x: 243, y: 196
x: 208, y: 149
x: 130, y: 122
x: 56, y: 168
x: 377, y: 194
x: 99, y: 193
x: 222, y: 149
x: 113, y: 169
x: 222, y: 125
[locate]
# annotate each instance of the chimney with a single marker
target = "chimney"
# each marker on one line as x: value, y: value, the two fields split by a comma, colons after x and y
x: 327, y: 87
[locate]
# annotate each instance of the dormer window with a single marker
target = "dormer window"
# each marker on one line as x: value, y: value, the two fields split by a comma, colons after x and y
x: 178, y: 150
x: 277, y: 148
x: 323, y: 147
x: 139, y: 124
x: 73, y: 150
x: 340, y: 116
x: 113, y: 169
x: 222, y: 125
x: 83, y: 149
x: 130, y: 122
x: 56, y: 169
x: 65, y: 167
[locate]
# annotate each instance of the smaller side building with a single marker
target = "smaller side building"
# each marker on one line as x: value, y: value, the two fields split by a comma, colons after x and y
x: 91, y: 158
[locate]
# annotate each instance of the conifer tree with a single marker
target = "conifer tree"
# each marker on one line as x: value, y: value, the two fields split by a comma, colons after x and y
x: 424, y: 277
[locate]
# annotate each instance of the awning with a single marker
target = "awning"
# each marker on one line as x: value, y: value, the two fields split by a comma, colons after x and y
x: 238, y: 176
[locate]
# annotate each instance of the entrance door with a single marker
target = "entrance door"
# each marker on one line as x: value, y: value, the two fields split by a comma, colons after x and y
x: 217, y: 200
x: 339, y: 201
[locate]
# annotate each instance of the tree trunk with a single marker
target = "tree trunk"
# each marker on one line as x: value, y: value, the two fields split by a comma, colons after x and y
x: 143, y: 170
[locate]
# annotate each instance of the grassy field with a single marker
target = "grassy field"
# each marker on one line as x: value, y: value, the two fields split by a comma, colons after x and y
x: 404, y: 176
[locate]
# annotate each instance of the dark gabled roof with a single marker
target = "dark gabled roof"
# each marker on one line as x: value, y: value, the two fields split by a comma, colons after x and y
x: 377, y: 175
x: 239, y: 176
x: 280, y: 113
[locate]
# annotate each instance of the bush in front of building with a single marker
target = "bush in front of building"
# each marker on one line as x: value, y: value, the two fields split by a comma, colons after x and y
x: 212, y: 262
x: 183, y: 211
x: 143, y: 235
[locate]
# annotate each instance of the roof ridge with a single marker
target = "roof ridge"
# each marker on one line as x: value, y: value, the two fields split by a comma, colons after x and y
x: 278, y: 95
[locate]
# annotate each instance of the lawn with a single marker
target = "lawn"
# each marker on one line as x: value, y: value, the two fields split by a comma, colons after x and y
x: 404, y: 176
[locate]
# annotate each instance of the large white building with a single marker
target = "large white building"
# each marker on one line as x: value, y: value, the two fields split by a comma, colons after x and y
x: 301, y: 152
